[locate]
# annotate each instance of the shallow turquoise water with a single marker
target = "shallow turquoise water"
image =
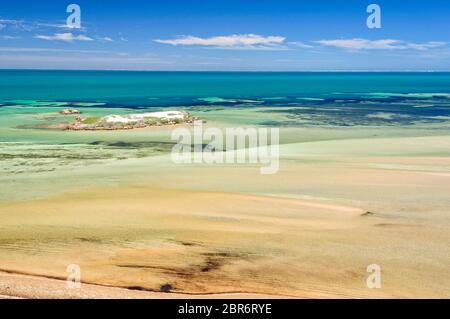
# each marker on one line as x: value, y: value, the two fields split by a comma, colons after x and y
x: 337, y: 99
x: 32, y: 99
x: 29, y: 99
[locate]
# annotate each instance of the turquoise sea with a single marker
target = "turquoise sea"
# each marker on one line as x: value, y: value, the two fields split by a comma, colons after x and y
x: 307, y: 106
x: 116, y: 86
x: 323, y: 98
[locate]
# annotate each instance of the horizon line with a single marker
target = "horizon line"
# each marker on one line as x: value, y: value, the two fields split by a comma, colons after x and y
x: 232, y: 71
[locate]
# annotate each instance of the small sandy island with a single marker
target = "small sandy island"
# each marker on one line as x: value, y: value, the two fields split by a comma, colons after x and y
x: 126, y: 122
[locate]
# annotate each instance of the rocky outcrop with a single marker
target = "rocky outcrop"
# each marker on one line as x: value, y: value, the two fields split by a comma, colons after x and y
x: 69, y: 112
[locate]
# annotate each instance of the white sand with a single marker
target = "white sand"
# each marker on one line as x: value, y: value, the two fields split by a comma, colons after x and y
x: 169, y: 115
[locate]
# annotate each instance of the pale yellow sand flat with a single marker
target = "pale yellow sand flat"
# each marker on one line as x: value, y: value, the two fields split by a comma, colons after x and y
x: 303, y: 232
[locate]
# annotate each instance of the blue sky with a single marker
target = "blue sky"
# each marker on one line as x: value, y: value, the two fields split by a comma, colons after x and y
x: 226, y: 35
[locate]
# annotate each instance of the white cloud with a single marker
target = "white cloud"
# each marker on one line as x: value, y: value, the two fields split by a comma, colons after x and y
x: 9, y: 37
x: 300, y: 44
x: 16, y: 25
x: 426, y: 46
x: 107, y: 62
x: 59, y: 26
x: 66, y: 37
x: 107, y: 39
x: 235, y: 41
x: 54, y: 25
x: 383, y: 44
x: 48, y: 50
x: 28, y: 26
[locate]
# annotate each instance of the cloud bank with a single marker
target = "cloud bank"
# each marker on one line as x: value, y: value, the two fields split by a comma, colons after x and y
x: 357, y: 44
x: 66, y: 37
x: 234, y: 41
